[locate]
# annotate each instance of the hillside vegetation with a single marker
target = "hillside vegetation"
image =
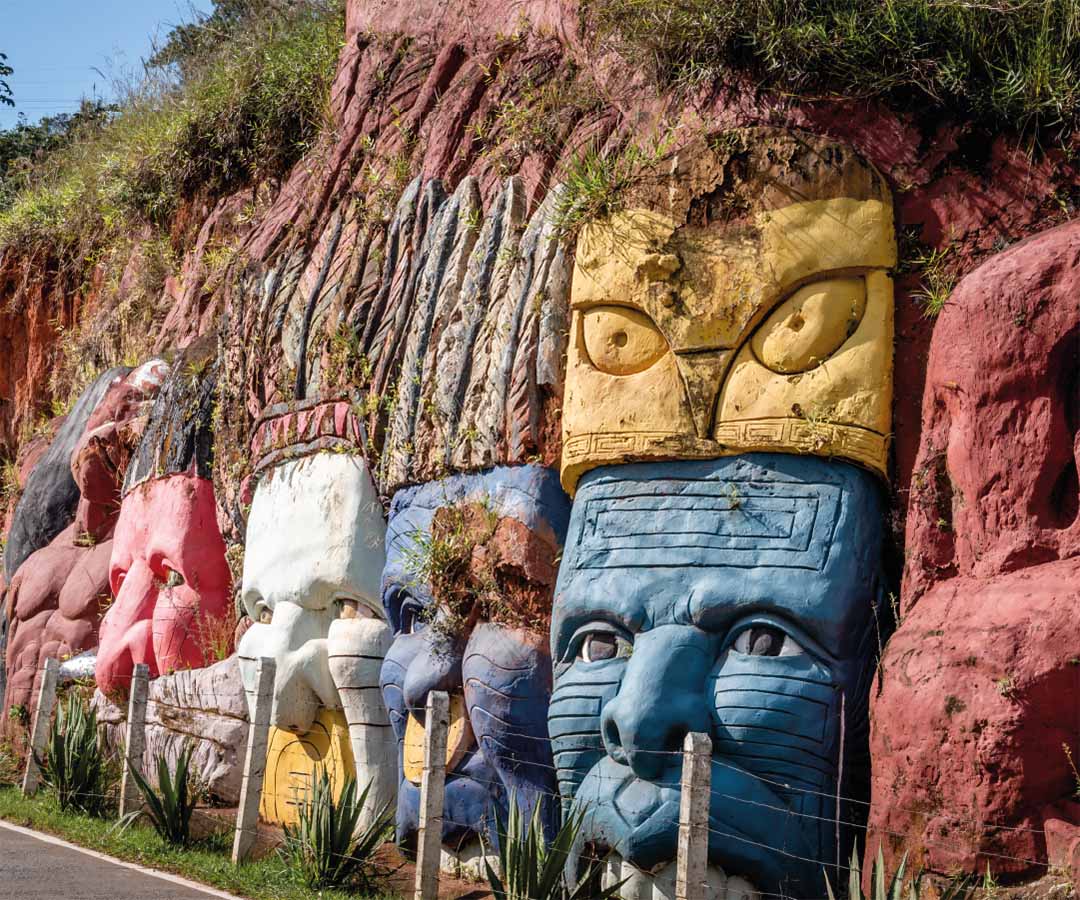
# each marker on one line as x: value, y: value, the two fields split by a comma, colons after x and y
x: 228, y: 101
x: 1013, y: 64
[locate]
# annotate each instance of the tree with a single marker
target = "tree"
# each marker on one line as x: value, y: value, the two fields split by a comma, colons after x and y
x: 5, y: 89
x: 25, y: 147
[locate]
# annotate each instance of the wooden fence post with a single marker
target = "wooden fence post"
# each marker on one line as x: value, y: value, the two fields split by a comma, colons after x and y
x: 432, y: 796
x: 694, y: 818
x: 247, y: 816
x: 40, y: 733
x: 134, y: 740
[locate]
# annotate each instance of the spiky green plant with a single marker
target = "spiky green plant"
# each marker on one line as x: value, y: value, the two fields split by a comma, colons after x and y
x: 74, y: 765
x: 169, y: 808
x: 894, y: 888
x: 532, y: 869
x: 325, y: 847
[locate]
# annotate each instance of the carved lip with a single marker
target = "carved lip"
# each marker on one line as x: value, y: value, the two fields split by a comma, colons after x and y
x: 459, y: 740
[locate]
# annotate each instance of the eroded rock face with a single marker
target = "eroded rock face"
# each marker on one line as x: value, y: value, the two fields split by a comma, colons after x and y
x: 980, y: 686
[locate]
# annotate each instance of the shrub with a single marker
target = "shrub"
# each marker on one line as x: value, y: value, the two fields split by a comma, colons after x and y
x: 27, y: 143
x: 170, y: 809
x: 1011, y: 64
x: 74, y: 765
x: 325, y: 848
x: 530, y: 869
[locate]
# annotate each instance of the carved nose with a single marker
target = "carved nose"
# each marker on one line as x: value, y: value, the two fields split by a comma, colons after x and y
x: 661, y: 698
x: 436, y: 667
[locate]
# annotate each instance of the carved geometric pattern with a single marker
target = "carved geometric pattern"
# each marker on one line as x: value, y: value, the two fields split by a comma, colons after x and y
x: 797, y: 436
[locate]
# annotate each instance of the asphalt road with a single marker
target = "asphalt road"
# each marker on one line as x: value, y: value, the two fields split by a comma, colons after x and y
x: 34, y: 868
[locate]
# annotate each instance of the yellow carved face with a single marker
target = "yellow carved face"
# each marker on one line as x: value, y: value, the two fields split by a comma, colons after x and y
x: 747, y: 308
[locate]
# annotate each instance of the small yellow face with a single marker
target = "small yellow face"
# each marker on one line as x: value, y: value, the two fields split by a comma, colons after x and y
x: 459, y: 740
x: 720, y: 320
x: 294, y: 761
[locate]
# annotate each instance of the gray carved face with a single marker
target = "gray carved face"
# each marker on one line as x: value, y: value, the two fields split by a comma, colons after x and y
x: 734, y: 598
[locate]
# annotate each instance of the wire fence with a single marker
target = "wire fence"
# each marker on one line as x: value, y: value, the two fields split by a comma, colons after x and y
x: 724, y: 820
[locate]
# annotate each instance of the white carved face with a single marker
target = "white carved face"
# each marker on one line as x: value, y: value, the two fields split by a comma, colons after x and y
x: 313, y: 560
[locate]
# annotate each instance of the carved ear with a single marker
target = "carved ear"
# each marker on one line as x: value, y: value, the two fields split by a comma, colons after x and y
x: 703, y: 375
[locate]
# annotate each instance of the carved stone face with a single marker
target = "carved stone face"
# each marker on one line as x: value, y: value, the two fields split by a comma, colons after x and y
x: 170, y: 582
x: 746, y: 307
x: 312, y: 562
x: 313, y: 557
x: 497, y: 672
x: 732, y: 597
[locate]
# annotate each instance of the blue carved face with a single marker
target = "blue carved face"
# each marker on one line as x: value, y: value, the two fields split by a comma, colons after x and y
x: 733, y: 597
x: 503, y: 673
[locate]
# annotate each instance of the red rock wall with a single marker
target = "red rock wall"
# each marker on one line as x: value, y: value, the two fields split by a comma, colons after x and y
x: 979, y: 693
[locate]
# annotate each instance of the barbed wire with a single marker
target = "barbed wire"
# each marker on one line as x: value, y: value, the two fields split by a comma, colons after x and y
x: 498, y: 786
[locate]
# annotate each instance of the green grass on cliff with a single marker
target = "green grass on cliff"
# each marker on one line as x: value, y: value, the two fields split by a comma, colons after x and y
x: 1008, y: 63
x: 243, y: 111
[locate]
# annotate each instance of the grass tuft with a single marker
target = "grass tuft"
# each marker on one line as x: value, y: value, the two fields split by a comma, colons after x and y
x: 1012, y: 63
x: 936, y: 282
x: 594, y: 184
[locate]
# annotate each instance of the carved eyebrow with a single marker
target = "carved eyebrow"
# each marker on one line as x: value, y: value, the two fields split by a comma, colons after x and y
x: 568, y: 619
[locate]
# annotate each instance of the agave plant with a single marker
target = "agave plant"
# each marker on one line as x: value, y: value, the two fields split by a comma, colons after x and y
x: 74, y: 765
x: 531, y: 869
x: 957, y: 889
x: 325, y: 848
x: 169, y: 808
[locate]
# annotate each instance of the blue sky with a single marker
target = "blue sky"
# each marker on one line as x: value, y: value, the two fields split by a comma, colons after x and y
x: 56, y: 45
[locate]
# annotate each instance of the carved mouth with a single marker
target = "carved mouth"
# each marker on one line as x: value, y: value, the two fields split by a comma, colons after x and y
x: 459, y: 740
x: 660, y: 885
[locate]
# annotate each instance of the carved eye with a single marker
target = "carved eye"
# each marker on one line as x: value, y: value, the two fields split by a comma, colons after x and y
x: 173, y: 579
x: 621, y: 341
x: 811, y: 325
x: 264, y: 613
x: 412, y: 619
x: 599, y: 646
x: 766, y: 640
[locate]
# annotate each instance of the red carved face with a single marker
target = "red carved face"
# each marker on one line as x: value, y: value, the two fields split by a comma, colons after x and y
x: 170, y: 580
